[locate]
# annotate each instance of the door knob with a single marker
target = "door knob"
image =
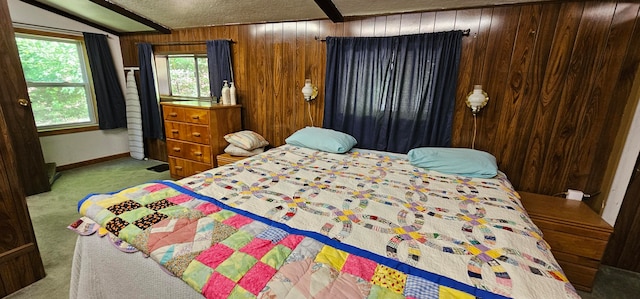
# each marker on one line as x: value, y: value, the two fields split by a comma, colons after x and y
x: 23, y: 102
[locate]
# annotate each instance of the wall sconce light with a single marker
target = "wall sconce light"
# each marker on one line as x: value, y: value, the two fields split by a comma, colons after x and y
x: 309, y: 90
x: 477, y: 99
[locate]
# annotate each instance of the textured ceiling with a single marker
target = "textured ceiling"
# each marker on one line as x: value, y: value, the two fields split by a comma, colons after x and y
x: 197, y: 13
x: 176, y: 14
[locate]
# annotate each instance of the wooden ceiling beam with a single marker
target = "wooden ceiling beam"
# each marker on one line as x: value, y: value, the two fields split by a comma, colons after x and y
x: 330, y: 10
x: 70, y: 16
x: 131, y: 15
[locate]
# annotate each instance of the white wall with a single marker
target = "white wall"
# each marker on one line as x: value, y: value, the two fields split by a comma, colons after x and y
x: 625, y: 170
x: 77, y: 147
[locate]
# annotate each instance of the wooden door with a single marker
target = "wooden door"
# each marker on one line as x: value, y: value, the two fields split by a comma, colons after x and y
x: 22, y: 131
x: 624, y: 245
x: 20, y: 262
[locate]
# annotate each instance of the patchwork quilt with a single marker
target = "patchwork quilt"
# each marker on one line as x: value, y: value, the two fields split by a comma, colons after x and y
x: 298, y: 223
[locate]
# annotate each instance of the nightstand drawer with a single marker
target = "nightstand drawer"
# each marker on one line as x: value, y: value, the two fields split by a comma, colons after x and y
x: 191, y: 151
x: 190, y: 115
x: 580, y: 277
x: 187, y: 132
x: 546, y: 224
x: 183, y: 168
x: 225, y: 159
x: 573, y: 244
x: 574, y: 259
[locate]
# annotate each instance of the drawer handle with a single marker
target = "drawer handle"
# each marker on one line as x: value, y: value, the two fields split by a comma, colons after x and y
x: 195, y: 116
x: 198, y: 153
x: 174, y: 131
x: 178, y: 167
x: 173, y: 114
x: 176, y: 149
x: 195, y: 134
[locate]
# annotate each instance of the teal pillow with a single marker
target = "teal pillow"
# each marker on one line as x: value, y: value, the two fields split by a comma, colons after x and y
x: 326, y: 140
x: 458, y: 161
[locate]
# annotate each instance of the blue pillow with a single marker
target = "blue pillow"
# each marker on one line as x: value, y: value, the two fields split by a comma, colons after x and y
x: 458, y: 161
x: 326, y: 140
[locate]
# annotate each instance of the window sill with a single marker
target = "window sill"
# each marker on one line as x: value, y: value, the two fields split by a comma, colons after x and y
x: 167, y: 98
x: 68, y: 130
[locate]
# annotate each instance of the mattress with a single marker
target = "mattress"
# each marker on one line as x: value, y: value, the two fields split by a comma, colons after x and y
x: 295, y: 222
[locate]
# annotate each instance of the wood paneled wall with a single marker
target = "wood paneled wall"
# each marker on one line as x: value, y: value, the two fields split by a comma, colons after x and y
x: 559, y: 76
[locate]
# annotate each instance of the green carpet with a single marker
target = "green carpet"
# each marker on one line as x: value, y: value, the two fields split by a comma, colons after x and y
x: 51, y: 212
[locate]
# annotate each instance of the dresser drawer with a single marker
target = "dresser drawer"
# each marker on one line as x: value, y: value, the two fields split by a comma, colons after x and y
x: 225, y: 159
x: 190, y: 151
x: 187, y: 132
x: 180, y: 168
x: 591, y: 232
x: 581, y: 277
x: 575, y: 245
x: 190, y: 115
x: 574, y: 259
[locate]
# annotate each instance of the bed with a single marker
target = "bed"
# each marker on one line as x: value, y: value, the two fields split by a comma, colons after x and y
x: 295, y: 222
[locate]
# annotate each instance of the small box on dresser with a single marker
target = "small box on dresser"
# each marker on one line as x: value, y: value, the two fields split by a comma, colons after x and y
x: 577, y: 235
x: 195, y: 134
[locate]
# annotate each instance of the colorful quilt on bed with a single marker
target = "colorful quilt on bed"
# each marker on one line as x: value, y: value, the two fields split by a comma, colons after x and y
x: 298, y: 223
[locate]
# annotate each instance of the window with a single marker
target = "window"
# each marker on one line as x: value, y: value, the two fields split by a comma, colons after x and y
x: 183, y: 75
x: 55, y: 68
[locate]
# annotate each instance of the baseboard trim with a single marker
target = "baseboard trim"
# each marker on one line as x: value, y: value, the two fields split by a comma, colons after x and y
x: 92, y: 161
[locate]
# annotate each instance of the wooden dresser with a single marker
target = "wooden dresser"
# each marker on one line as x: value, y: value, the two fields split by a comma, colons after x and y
x: 195, y: 134
x: 577, y: 235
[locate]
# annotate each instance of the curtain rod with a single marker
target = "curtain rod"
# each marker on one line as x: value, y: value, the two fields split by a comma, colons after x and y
x: 465, y: 32
x: 185, y: 43
x: 55, y: 29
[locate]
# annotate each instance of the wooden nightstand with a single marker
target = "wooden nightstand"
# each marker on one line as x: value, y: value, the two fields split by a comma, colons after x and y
x: 577, y: 235
x: 225, y: 159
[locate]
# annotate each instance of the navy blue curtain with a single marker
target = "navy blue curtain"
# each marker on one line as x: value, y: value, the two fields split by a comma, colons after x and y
x: 109, y: 97
x: 151, y: 120
x: 393, y: 93
x: 220, y: 69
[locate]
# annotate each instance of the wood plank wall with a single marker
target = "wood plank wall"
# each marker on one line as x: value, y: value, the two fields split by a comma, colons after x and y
x: 559, y: 76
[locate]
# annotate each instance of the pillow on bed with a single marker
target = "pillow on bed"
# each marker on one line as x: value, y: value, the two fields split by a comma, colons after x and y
x: 238, y: 151
x: 247, y: 140
x: 321, y: 139
x: 458, y: 161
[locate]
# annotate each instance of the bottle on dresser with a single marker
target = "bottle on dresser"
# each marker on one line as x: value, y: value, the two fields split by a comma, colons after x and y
x: 232, y: 94
x: 226, y: 93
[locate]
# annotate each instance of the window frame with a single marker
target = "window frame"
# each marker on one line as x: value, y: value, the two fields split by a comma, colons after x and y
x: 85, y: 68
x: 164, y: 79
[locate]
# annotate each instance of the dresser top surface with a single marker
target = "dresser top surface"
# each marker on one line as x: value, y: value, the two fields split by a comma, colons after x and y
x: 562, y: 210
x: 198, y: 104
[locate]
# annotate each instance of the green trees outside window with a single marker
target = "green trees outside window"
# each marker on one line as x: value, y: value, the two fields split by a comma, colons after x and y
x: 188, y: 75
x: 56, y: 74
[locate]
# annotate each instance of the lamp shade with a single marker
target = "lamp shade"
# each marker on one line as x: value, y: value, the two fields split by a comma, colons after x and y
x: 309, y: 91
x: 477, y: 99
